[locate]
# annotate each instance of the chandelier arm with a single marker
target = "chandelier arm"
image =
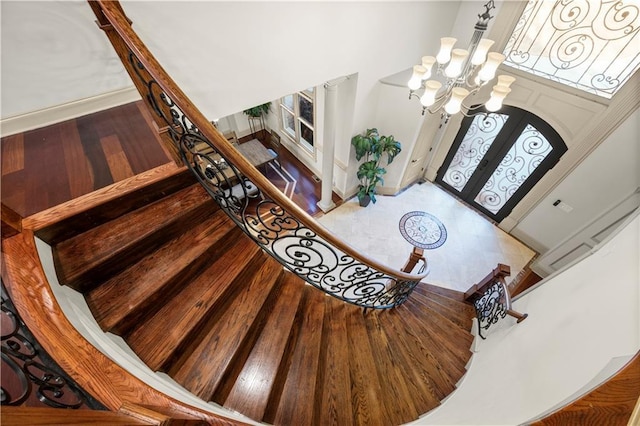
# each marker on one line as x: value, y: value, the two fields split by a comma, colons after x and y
x: 439, y: 103
x: 472, y: 111
x: 470, y: 79
x: 472, y: 108
x: 460, y: 69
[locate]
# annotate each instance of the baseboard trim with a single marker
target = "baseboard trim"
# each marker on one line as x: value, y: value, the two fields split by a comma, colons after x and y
x: 56, y: 114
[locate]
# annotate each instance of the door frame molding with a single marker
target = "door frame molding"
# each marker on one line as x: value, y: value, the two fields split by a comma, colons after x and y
x: 517, y: 121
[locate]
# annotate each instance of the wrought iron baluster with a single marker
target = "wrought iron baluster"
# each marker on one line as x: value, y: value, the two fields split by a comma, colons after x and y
x: 270, y: 225
x: 493, y: 305
x: 490, y: 307
x: 29, y: 376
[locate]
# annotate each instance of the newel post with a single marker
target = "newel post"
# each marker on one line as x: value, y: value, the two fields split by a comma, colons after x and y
x: 491, y: 299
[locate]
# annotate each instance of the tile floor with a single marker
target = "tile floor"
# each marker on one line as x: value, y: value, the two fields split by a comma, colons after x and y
x: 474, y: 246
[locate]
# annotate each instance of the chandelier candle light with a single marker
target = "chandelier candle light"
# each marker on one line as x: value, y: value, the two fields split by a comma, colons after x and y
x: 465, y: 71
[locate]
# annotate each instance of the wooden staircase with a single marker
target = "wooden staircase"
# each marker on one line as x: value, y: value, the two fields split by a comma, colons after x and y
x: 195, y: 298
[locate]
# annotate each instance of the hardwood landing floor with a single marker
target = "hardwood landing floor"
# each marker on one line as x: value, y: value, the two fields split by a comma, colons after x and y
x: 45, y: 167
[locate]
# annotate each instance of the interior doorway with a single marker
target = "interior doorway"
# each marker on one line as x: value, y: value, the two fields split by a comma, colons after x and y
x: 496, y: 158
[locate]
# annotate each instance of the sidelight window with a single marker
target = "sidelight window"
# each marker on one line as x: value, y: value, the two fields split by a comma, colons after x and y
x: 297, y: 117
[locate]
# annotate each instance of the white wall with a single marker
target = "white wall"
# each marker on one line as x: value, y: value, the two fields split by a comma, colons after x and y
x: 523, y: 370
x: 53, y: 53
x: 608, y: 175
x: 232, y: 55
x: 403, y: 121
x: 246, y: 53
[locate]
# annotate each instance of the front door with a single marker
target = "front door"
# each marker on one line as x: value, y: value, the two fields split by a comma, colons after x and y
x: 497, y: 158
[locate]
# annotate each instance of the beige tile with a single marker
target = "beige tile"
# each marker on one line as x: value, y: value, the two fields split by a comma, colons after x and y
x: 474, y: 246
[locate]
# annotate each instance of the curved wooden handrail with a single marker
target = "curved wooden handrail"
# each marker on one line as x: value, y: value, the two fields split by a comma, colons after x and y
x: 111, y: 12
x: 105, y: 380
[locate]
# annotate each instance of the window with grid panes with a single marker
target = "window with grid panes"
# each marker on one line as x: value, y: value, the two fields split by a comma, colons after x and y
x: 297, y: 114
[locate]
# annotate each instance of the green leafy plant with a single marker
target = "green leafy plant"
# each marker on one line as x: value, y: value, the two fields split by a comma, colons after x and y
x: 372, y: 147
x: 258, y: 111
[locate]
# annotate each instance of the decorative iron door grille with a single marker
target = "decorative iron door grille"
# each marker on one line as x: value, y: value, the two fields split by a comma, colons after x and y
x: 497, y: 158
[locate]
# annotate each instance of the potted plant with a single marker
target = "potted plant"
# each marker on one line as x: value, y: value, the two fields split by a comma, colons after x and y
x: 257, y: 113
x: 372, y: 147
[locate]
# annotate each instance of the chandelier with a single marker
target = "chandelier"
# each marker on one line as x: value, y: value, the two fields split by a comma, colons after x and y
x: 465, y: 72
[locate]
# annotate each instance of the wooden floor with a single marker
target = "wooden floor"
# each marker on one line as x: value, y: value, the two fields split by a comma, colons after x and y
x: 45, y: 167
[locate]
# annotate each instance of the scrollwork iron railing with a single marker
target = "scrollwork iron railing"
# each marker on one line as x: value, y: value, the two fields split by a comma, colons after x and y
x: 490, y: 307
x: 276, y: 224
x: 491, y: 299
x: 29, y: 376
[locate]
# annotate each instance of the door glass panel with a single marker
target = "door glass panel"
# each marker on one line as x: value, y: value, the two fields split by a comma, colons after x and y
x: 474, y: 146
x: 525, y: 155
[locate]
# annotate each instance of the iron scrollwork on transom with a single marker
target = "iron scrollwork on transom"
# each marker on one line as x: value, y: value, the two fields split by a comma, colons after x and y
x: 272, y: 227
x: 29, y: 376
x: 590, y: 45
x: 490, y: 307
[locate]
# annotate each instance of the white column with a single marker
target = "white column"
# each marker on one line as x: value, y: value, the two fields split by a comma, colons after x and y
x: 329, y: 144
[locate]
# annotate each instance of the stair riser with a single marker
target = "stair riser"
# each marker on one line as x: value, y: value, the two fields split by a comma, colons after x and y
x: 225, y: 336
x: 134, y: 252
x: 242, y: 354
x: 171, y: 288
x: 194, y: 336
x: 268, y: 352
x: 285, y: 363
x: 103, y: 213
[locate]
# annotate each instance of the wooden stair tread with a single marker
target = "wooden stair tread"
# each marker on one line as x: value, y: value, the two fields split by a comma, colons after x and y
x: 254, y: 384
x: 455, y: 295
x: 425, y: 396
x: 141, y: 286
x: 403, y: 402
x: 333, y: 400
x: 442, y: 298
x: 186, y: 314
x: 458, y: 312
x: 453, y: 351
x: 426, y: 360
x: 438, y: 315
x: 110, y: 247
x: 202, y: 371
x: 113, y: 208
x: 302, y: 366
x: 422, y: 393
x: 369, y: 400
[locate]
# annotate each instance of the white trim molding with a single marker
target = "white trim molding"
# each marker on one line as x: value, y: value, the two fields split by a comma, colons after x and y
x: 56, y: 114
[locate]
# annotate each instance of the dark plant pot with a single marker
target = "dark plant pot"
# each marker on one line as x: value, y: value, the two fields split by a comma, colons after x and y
x: 364, y: 201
